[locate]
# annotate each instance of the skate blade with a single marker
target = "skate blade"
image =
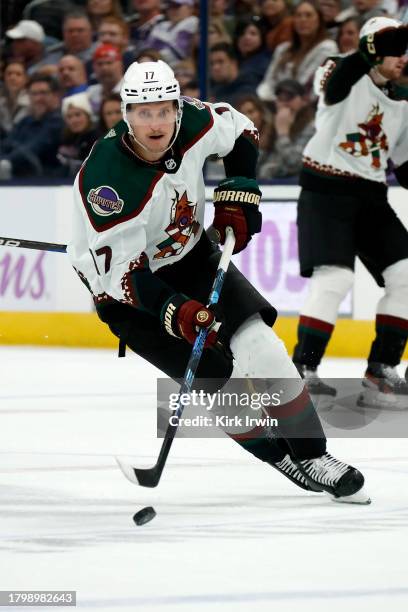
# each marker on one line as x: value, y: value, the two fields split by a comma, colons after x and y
x: 360, y: 497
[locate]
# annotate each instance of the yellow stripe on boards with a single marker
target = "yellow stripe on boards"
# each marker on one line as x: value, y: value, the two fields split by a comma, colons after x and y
x: 350, y: 338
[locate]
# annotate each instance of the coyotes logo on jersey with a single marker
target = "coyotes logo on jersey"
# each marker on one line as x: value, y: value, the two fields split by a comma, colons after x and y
x: 370, y: 140
x: 181, y: 227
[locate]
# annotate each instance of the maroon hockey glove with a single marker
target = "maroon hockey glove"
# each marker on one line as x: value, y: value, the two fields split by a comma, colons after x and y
x: 388, y: 42
x: 236, y: 202
x: 183, y: 318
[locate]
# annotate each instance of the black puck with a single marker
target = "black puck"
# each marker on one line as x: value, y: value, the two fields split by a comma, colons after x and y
x: 144, y: 515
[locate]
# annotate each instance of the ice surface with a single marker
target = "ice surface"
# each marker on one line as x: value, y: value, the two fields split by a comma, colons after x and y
x: 231, y: 533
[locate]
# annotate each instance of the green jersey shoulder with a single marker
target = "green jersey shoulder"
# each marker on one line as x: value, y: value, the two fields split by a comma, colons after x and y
x: 114, y: 186
x: 114, y: 189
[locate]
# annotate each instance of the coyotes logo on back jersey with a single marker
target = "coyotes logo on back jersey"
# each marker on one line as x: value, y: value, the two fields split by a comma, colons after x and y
x: 358, y: 135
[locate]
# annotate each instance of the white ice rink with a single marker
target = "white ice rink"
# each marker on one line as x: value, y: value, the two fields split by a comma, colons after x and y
x: 231, y: 533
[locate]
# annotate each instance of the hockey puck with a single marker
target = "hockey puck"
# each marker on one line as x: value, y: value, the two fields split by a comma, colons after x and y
x: 144, y: 515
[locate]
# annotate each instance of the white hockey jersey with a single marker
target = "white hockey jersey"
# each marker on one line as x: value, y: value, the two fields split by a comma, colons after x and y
x: 357, y: 136
x: 131, y: 214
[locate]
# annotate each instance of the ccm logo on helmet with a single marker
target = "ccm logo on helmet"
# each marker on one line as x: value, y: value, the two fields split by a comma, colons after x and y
x: 152, y: 89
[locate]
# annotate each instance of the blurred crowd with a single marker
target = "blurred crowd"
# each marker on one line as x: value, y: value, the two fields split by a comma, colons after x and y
x: 63, y: 61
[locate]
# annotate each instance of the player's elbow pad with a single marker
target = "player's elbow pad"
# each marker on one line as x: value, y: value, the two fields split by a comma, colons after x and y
x: 344, y: 75
x: 401, y: 174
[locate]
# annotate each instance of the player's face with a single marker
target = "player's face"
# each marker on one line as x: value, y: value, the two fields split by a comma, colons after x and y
x: 153, y: 126
x: 392, y: 67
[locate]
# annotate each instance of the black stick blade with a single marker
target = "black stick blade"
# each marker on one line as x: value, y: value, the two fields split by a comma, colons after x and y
x: 148, y: 477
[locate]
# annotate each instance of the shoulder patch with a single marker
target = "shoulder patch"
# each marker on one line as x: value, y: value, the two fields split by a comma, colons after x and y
x: 194, y: 102
x: 105, y: 201
x: 195, y: 123
x: 111, y: 133
x: 113, y: 187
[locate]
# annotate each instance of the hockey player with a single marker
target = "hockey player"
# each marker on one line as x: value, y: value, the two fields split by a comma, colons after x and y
x: 343, y: 210
x: 138, y: 244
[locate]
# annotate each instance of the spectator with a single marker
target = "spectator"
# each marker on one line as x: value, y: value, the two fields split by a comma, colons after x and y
x: 253, y: 57
x: 226, y: 82
x: 27, y: 44
x: 110, y: 113
x: 99, y: 9
x: 348, y: 35
x: 331, y: 11
x: 300, y: 58
x: 149, y: 15
x: 191, y: 89
x: 251, y: 106
x: 185, y: 71
x: 363, y: 10
x: 277, y: 21
x: 72, y: 75
x: 115, y: 31
x: 30, y: 149
x: 217, y: 32
x: 148, y: 55
x: 174, y: 37
x: 219, y: 12
x: 245, y: 9
x: 294, y: 126
x: 50, y: 14
x: 14, y: 99
x: 79, y: 133
x: 77, y: 38
x: 108, y: 68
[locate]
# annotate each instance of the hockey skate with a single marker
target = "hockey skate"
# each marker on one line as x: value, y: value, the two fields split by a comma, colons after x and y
x: 383, y: 388
x: 291, y: 471
x: 322, y: 394
x: 342, y: 482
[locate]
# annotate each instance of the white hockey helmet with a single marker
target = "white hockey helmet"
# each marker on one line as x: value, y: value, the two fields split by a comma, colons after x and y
x: 146, y: 82
x: 376, y: 24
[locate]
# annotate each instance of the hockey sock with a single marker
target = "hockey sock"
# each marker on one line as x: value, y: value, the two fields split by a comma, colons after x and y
x: 299, y: 418
x: 262, y: 448
x: 390, y: 340
x: 313, y: 336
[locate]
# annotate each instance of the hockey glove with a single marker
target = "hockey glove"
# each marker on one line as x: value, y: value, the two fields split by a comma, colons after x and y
x: 389, y: 42
x: 183, y: 318
x: 236, y: 201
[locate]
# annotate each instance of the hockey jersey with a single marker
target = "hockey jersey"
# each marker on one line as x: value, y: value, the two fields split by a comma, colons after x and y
x: 358, y: 135
x: 130, y: 214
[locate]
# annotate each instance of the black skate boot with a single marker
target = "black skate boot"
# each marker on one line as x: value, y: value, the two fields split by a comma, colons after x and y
x: 322, y: 394
x: 291, y: 471
x: 342, y: 482
x: 383, y: 387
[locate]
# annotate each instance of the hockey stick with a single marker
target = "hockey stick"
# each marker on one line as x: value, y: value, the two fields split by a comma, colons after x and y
x: 32, y: 244
x: 58, y: 248
x: 149, y: 477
